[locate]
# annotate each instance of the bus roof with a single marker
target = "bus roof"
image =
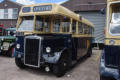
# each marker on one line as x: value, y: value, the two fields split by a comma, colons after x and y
x: 57, y: 9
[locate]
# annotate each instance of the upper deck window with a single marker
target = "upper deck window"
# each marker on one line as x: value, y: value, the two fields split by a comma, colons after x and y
x: 74, y: 26
x: 115, y: 21
x: 65, y: 25
x: 80, y: 28
x: 47, y: 25
x: 26, y: 24
x: 86, y: 29
x: 42, y: 24
x: 56, y: 25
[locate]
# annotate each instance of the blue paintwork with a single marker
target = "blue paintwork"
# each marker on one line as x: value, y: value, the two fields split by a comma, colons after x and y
x: 112, y: 56
x: 57, y: 42
x: 107, y: 71
x: 20, y: 40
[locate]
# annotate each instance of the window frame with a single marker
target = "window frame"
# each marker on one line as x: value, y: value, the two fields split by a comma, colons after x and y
x: 81, y: 28
x: 5, y: 14
x: 14, y: 13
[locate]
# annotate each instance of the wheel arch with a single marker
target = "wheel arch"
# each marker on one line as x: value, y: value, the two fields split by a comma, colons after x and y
x: 65, y: 52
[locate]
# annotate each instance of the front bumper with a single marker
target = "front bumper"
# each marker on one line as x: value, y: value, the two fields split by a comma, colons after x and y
x: 108, y: 72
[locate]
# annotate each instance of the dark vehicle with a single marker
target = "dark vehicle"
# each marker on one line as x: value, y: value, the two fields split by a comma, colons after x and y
x: 7, y: 41
x: 51, y: 36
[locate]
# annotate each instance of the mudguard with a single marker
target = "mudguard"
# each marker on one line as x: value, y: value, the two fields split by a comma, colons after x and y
x: 53, y: 59
x: 107, y: 72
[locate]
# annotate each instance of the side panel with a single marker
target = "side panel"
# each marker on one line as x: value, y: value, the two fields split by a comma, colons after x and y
x: 98, y: 20
x: 80, y: 46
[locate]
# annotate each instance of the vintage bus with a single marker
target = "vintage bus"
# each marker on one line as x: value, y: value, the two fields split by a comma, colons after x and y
x: 7, y: 42
x: 51, y: 36
x: 110, y: 58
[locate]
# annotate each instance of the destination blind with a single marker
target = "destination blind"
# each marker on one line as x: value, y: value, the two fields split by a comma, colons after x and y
x: 42, y: 8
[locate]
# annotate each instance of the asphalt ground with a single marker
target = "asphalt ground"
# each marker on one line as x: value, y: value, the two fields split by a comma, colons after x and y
x: 85, y: 69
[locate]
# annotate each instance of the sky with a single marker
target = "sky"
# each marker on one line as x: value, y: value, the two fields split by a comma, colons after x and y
x: 27, y: 2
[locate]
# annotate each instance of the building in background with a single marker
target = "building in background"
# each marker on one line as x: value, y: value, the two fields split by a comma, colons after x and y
x: 8, y: 13
x: 90, y: 9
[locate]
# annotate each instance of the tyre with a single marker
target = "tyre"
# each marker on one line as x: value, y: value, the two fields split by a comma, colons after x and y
x: 61, y: 67
x: 106, y: 78
x: 102, y: 78
x: 19, y: 63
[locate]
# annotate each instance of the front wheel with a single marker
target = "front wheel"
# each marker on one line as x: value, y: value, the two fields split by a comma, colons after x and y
x: 61, y: 67
x: 102, y: 78
x: 19, y: 63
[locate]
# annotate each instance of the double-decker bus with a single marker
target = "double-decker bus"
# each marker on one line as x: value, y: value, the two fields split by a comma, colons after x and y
x: 51, y: 36
x: 110, y: 58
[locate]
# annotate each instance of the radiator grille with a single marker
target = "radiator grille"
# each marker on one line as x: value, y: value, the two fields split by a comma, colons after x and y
x: 112, y: 56
x: 32, y: 52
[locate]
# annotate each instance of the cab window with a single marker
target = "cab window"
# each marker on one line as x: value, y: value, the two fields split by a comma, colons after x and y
x: 26, y: 24
x: 115, y: 20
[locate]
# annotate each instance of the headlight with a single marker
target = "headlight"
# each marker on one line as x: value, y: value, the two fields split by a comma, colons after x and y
x: 1, y: 48
x: 112, y: 42
x: 48, y: 49
x: 18, y: 46
x: 2, y: 39
x: 16, y: 39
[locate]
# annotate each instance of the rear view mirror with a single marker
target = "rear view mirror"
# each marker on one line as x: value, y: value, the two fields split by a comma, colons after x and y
x: 102, y: 11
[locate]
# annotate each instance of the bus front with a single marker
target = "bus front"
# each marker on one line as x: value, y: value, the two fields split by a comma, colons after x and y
x: 110, y: 59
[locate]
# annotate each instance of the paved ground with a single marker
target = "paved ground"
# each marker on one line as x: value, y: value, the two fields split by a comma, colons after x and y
x: 87, y: 69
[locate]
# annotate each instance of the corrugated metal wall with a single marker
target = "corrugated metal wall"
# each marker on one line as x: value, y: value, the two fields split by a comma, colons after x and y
x: 98, y: 20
